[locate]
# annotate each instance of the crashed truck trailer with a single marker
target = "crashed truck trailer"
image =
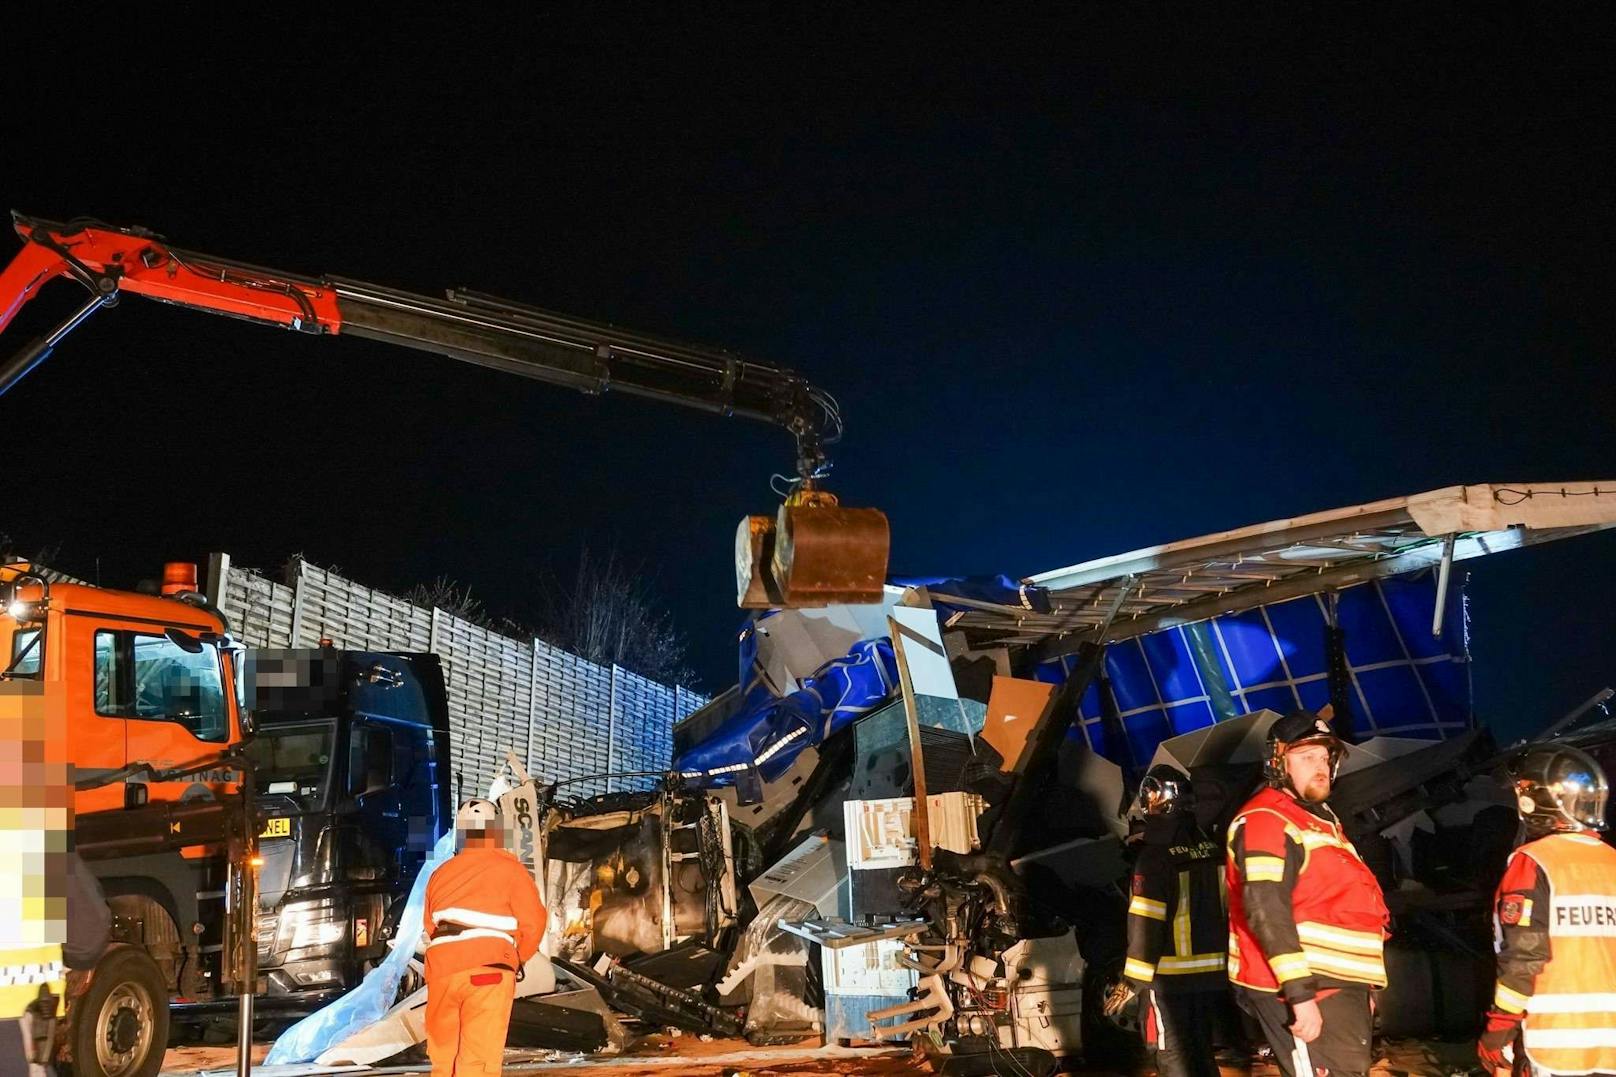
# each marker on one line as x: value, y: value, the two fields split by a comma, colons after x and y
x: 1041, y: 697
x: 1016, y: 705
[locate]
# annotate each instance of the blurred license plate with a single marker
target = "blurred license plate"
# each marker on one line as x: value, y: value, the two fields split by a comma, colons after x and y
x: 277, y: 828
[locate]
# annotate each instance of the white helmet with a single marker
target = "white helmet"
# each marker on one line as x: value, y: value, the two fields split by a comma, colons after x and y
x: 475, y: 816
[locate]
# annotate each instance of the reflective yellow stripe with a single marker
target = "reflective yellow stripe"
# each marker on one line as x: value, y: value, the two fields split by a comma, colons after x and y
x: 1551, y: 1038
x: 1191, y: 963
x: 23, y: 971
x: 1580, y: 1003
x: 1265, y: 869
x: 1510, y: 1001
x: 1135, y: 969
x: 1329, y: 937
x: 26, y: 975
x: 16, y: 956
x: 1181, y: 918
x: 1348, y: 967
x: 1317, y: 839
x: 1143, y: 906
x: 1289, y: 967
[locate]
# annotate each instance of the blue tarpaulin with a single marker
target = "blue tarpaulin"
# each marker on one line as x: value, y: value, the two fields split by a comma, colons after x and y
x: 374, y: 996
x: 770, y: 732
x: 1000, y: 590
x: 1405, y: 682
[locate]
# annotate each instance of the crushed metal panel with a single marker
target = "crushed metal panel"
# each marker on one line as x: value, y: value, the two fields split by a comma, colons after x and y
x: 841, y: 935
x: 1195, y: 579
x: 1083, y: 862
x: 1013, y: 708
x: 812, y: 872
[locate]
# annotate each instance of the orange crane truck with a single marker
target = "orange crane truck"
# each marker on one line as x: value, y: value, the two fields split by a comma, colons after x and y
x: 163, y: 789
x: 145, y: 688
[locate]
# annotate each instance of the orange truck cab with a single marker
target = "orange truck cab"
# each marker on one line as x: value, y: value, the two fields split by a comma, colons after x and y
x: 145, y: 684
x: 146, y: 679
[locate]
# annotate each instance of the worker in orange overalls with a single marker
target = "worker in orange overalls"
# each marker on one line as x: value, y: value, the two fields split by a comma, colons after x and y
x: 1307, y: 920
x: 484, y: 920
x: 1555, y: 916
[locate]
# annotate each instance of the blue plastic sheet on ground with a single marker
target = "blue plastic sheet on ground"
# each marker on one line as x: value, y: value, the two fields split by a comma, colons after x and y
x: 1404, y: 681
x: 368, y: 1002
x: 771, y: 732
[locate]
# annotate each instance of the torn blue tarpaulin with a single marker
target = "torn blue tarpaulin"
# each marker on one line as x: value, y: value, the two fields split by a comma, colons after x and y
x: 769, y: 731
x: 376, y: 993
x: 1403, y: 681
x: 999, y: 590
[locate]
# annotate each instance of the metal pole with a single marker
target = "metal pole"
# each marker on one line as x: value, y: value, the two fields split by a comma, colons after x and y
x: 611, y: 728
x: 917, y: 757
x: 1338, y: 674
x: 19, y: 365
x: 247, y: 961
x: 1443, y: 571
x: 1599, y: 698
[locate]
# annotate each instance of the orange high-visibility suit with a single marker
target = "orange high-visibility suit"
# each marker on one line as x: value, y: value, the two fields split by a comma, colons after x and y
x: 484, y: 920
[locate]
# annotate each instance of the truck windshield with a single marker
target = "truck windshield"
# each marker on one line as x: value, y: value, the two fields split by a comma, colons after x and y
x: 294, y: 762
x: 149, y: 677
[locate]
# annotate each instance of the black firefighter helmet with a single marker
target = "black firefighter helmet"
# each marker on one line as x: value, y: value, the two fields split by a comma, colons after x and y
x: 1298, y: 729
x: 1165, y: 790
x: 1559, y: 788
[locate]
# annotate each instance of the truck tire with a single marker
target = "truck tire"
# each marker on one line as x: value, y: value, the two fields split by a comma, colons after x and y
x: 120, y: 1026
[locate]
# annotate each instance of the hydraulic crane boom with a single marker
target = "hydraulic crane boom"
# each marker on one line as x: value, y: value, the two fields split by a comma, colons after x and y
x: 814, y: 552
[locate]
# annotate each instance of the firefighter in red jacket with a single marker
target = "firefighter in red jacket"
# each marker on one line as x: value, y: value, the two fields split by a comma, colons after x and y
x: 1306, y: 917
x: 1177, y: 931
x: 1555, y: 916
x: 484, y: 920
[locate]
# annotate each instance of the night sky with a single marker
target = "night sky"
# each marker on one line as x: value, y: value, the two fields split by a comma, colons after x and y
x: 1082, y: 284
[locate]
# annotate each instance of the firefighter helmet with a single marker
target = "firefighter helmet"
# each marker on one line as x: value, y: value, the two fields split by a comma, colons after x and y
x: 1559, y: 788
x: 1165, y: 790
x: 1298, y: 729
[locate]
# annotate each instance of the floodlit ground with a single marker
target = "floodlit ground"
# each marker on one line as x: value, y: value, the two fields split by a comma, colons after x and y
x: 688, y: 1056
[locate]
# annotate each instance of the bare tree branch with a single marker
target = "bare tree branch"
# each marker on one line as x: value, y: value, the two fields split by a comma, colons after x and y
x: 609, y: 615
x: 450, y: 597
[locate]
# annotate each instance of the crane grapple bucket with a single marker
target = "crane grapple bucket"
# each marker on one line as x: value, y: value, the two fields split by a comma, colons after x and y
x: 812, y: 553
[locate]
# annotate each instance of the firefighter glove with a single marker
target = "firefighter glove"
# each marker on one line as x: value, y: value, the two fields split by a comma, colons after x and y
x: 1119, y: 996
x: 1500, y: 1033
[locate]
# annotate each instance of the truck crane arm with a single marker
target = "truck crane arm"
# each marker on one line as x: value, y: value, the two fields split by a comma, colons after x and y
x: 812, y: 553
x: 466, y: 325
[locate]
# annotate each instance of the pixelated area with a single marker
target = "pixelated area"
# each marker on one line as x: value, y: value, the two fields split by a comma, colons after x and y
x: 35, y: 816
x: 292, y: 680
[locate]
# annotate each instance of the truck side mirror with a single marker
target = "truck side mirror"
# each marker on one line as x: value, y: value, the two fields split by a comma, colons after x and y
x: 183, y: 640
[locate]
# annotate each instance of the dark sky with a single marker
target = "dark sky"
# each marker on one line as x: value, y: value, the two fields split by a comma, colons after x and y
x: 1082, y: 284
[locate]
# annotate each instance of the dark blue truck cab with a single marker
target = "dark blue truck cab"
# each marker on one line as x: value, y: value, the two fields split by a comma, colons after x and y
x: 351, y: 758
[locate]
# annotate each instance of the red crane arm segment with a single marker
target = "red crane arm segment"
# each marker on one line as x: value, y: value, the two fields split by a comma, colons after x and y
x: 130, y: 262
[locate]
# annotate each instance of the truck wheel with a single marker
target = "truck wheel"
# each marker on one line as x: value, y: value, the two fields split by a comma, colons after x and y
x: 120, y: 1026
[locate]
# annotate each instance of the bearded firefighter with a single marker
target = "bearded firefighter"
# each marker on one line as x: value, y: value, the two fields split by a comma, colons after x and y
x: 1177, y: 929
x: 1555, y: 918
x: 1307, y: 920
